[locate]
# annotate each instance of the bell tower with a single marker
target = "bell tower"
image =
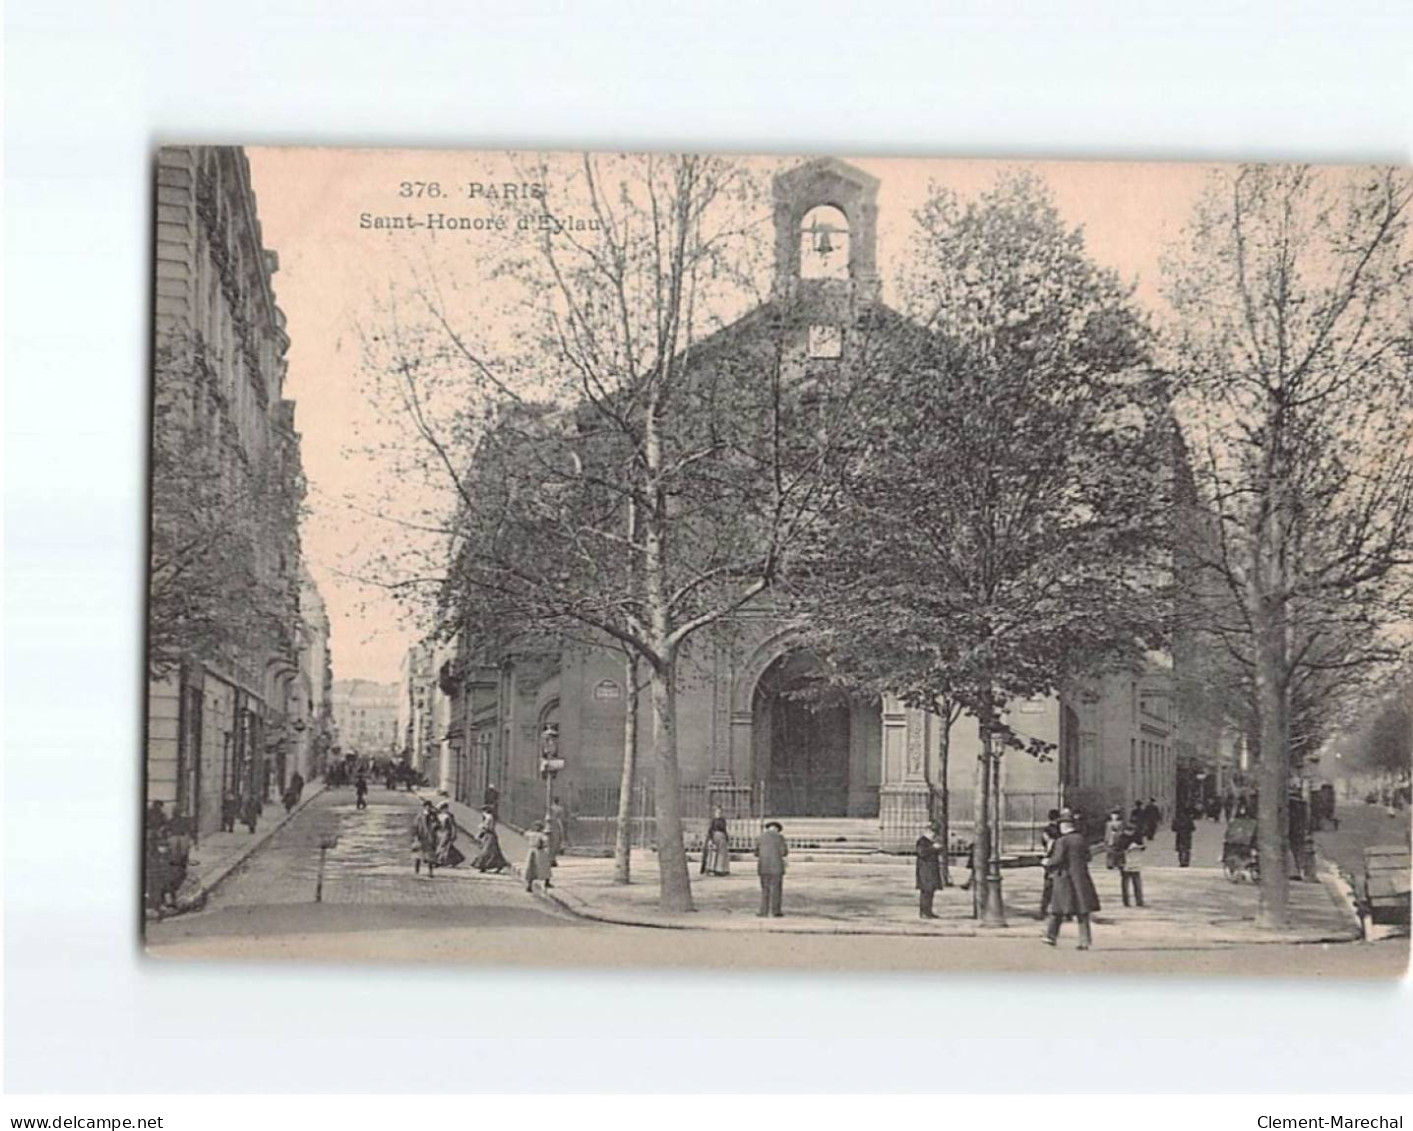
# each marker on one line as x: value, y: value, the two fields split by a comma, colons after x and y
x: 826, y: 227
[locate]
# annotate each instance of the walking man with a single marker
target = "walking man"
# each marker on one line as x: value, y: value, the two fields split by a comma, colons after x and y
x: 1074, y: 892
x: 929, y: 869
x: 771, y: 851
x: 1183, y: 828
x: 360, y: 790
x: 1048, y: 836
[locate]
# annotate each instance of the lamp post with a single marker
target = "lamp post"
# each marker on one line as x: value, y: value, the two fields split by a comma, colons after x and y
x: 993, y: 908
x: 550, y: 762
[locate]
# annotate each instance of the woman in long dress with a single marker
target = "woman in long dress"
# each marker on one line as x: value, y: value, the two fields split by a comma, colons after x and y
x: 538, y: 861
x: 490, y: 858
x: 716, y: 852
x: 424, y: 839
x: 448, y: 855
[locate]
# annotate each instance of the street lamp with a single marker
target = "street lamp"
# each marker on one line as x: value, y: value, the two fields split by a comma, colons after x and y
x: 550, y: 762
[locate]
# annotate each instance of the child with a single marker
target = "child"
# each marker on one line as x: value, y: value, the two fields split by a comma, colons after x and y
x: 1131, y: 864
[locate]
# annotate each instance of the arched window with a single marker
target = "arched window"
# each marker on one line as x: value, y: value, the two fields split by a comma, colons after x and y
x: 824, y: 244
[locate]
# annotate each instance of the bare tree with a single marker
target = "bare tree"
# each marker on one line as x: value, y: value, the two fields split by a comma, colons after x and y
x: 1292, y: 355
x: 638, y: 475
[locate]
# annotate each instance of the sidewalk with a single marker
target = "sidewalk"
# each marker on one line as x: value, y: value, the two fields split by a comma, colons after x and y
x: 1187, y: 908
x: 219, y: 854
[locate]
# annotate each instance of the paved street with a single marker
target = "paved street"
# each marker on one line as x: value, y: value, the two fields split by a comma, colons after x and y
x: 375, y: 908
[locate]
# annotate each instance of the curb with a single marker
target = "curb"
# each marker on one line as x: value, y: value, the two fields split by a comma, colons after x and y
x: 582, y: 909
x: 198, y: 900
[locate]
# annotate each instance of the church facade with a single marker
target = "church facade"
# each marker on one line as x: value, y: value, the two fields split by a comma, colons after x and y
x: 851, y: 769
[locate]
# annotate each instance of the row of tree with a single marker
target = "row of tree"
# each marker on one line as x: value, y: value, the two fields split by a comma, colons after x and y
x: 1014, y: 482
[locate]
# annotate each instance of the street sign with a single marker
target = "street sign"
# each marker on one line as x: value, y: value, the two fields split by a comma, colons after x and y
x: 551, y: 765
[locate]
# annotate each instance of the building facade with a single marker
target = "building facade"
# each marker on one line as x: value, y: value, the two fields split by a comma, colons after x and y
x: 746, y: 739
x: 366, y: 718
x: 232, y: 694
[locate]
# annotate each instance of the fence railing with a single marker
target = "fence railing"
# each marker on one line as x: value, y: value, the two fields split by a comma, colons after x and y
x: 593, y: 814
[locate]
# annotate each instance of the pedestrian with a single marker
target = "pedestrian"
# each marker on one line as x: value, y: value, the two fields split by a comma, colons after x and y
x: 1074, y: 892
x: 177, y: 851
x: 716, y: 847
x: 1183, y: 828
x: 156, y: 819
x: 296, y: 783
x: 250, y: 811
x: 1137, y: 818
x: 1152, y: 819
x: 491, y: 800
x: 1048, y: 836
x: 360, y: 791
x: 1228, y: 805
x: 230, y: 811
x: 928, y: 870
x: 1113, y: 830
x: 424, y: 839
x: 538, y: 861
x: 448, y: 855
x: 557, y: 826
x: 771, y: 851
x: 489, y: 858
x: 1131, y: 864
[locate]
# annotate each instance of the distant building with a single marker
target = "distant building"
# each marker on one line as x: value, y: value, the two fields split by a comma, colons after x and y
x: 365, y: 717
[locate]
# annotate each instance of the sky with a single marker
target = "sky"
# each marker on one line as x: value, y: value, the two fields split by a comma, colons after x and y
x: 338, y: 274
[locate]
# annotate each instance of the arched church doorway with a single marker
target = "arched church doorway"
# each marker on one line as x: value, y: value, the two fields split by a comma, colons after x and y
x: 812, y: 743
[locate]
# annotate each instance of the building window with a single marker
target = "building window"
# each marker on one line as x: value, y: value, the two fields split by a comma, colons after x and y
x: 826, y: 342
x: 824, y: 244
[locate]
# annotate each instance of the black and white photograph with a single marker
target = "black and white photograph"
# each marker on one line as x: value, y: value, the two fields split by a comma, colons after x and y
x: 688, y: 559
x: 688, y: 566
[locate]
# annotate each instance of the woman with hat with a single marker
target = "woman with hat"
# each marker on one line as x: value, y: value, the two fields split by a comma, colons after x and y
x: 490, y: 858
x: 448, y: 855
x: 1073, y: 894
x: 716, y: 849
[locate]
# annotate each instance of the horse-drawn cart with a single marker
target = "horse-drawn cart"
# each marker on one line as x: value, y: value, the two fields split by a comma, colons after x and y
x: 1383, y: 894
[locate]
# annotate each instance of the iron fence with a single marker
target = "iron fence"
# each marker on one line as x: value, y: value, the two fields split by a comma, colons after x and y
x: 593, y: 814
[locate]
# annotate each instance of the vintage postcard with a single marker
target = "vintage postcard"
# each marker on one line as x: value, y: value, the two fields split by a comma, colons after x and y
x: 739, y: 561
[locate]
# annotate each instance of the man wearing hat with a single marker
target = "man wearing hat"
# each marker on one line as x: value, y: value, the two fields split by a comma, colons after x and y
x: 771, y: 851
x: 1048, y: 836
x: 929, y: 869
x: 1074, y: 894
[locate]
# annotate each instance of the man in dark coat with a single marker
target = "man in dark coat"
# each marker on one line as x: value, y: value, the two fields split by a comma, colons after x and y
x: 1183, y: 828
x: 771, y: 851
x: 1048, y: 836
x: 1152, y: 819
x: 929, y: 870
x: 1074, y: 892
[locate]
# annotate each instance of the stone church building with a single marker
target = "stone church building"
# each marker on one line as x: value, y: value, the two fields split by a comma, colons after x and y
x: 842, y: 770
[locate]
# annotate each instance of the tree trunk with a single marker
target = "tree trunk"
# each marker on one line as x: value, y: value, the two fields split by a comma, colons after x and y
x: 981, y: 824
x: 675, y: 892
x: 623, y: 836
x: 1274, y: 772
x: 944, y: 797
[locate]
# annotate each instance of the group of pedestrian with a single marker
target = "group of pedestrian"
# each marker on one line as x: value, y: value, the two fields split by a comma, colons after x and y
x: 243, y: 808
x: 1125, y: 841
x: 434, y: 835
